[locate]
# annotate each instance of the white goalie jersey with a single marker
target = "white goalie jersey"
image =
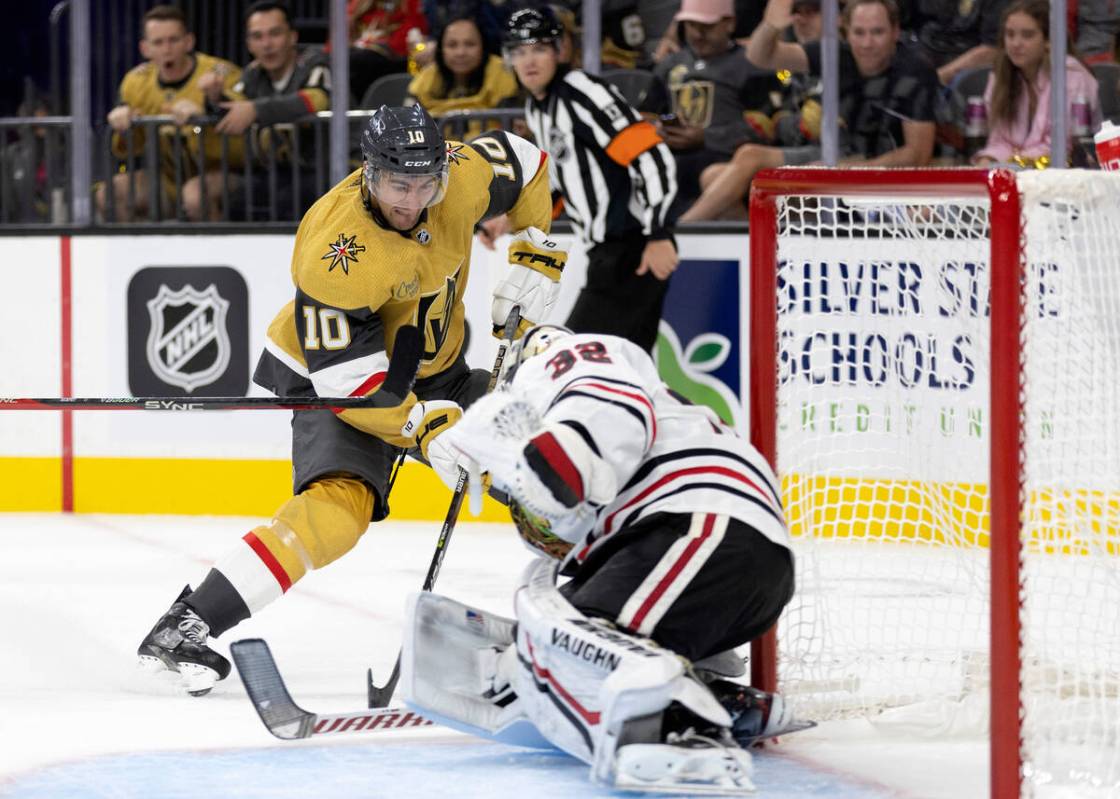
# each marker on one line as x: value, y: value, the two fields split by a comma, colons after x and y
x: 588, y: 436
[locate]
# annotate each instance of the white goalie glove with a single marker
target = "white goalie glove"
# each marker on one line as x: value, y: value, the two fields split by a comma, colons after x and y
x: 502, y: 434
x: 532, y: 281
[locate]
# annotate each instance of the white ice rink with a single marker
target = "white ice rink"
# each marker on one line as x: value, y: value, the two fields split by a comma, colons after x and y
x: 78, y: 592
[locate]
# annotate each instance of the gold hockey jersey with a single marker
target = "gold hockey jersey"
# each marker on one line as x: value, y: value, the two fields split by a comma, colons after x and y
x: 358, y: 282
x: 142, y: 89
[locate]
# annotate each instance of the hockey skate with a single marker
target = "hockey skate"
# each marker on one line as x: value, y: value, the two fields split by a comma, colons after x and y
x: 687, y: 763
x: 756, y: 714
x: 178, y: 643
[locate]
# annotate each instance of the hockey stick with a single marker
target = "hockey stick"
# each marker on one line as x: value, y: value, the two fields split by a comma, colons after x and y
x: 380, y: 696
x: 398, y: 383
x: 287, y: 720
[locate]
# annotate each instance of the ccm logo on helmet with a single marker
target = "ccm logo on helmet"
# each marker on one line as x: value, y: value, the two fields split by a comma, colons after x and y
x: 418, y: 163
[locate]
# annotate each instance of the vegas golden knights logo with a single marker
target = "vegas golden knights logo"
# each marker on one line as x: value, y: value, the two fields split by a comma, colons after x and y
x: 433, y: 316
x: 695, y: 102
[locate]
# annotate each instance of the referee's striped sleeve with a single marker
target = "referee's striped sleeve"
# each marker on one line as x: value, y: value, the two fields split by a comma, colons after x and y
x: 632, y: 142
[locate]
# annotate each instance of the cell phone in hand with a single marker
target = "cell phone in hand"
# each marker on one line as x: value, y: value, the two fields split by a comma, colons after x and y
x: 669, y: 120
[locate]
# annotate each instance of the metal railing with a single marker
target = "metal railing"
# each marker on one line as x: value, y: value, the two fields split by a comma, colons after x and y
x: 152, y: 173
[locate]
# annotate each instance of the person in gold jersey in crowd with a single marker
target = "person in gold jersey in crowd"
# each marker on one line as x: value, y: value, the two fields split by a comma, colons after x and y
x: 168, y: 82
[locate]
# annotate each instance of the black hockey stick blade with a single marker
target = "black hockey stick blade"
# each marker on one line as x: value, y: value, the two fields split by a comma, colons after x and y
x: 380, y: 697
x: 279, y: 712
x: 408, y: 346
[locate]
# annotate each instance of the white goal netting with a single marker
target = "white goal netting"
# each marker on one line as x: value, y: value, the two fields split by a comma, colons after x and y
x: 883, y: 448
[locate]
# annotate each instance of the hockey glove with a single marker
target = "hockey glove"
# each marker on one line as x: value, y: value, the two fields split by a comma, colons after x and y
x: 532, y: 282
x: 426, y: 421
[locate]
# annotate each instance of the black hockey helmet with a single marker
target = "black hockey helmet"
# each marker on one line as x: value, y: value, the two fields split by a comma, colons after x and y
x: 404, y: 141
x: 532, y: 25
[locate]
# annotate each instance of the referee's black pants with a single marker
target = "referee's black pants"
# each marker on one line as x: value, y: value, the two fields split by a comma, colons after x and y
x: 615, y: 300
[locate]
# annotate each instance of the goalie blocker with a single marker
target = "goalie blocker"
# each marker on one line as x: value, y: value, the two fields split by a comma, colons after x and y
x: 669, y: 525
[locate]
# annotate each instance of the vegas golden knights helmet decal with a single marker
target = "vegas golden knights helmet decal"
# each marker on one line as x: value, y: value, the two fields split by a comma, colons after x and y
x: 188, y: 343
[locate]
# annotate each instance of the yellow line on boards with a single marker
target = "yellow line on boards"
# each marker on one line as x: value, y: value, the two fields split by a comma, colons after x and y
x: 200, y: 487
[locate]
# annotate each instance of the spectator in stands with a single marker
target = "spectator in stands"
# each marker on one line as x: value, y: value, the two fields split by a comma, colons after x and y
x: 280, y: 85
x: 489, y: 15
x: 167, y: 83
x: 956, y: 35
x: 1018, y: 91
x: 1095, y: 29
x: 798, y: 121
x: 887, y: 99
x: 716, y: 99
x: 466, y: 75
x: 748, y: 13
x: 379, y: 31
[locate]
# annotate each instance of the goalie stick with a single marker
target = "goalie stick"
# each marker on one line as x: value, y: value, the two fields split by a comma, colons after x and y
x: 379, y: 696
x: 396, y: 386
x: 287, y: 720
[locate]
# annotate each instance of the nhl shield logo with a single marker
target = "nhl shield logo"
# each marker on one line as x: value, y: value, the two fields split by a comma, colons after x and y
x: 188, y: 343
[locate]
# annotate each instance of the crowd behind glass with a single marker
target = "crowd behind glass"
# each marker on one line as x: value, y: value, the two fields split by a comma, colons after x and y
x: 732, y: 87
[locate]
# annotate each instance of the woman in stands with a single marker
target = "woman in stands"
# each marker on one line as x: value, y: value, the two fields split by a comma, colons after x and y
x: 1018, y: 91
x: 466, y: 76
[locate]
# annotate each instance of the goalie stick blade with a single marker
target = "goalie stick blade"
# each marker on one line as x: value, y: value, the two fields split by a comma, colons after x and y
x: 287, y: 720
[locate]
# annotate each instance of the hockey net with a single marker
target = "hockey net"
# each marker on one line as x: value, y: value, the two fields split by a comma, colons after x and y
x: 936, y: 376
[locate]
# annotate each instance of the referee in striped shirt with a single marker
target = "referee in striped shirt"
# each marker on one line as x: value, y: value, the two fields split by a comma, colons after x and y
x: 615, y: 174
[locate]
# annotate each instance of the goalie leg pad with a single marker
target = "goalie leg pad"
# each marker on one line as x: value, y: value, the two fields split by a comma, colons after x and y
x: 585, y: 684
x: 453, y: 672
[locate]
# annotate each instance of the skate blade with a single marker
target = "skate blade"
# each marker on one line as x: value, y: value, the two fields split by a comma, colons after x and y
x: 192, y: 678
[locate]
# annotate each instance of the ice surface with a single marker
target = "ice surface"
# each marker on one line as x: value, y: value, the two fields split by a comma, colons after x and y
x: 78, y: 592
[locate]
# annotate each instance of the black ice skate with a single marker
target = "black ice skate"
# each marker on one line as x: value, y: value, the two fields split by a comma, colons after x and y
x: 756, y: 714
x: 178, y: 643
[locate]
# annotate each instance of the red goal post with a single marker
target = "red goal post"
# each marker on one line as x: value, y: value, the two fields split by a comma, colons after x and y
x: 922, y: 210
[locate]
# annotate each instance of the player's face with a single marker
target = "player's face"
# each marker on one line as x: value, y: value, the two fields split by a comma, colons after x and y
x: 271, y: 40
x: 872, y: 38
x: 462, y: 47
x: 535, y: 65
x: 401, y: 198
x: 168, y: 45
x: 708, y: 40
x: 1024, y: 42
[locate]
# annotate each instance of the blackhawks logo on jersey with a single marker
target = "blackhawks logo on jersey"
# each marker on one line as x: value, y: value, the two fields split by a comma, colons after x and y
x: 342, y: 252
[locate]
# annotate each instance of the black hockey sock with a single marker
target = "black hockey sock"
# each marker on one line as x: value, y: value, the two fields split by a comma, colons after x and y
x: 217, y: 603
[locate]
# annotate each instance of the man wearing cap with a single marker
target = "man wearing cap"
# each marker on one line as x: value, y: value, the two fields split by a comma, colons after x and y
x: 888, y: 94
x: 713, y: 100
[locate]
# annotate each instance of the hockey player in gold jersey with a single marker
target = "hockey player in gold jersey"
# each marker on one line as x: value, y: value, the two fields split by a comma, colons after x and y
x: 388, y: 246
x: 166, y: 83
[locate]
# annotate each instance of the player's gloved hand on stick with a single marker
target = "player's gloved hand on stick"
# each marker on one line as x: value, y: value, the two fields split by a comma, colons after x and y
x: 426, y: 422
x: 532, y: 282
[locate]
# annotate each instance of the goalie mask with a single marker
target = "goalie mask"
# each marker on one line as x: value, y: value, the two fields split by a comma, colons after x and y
x: 536, y: 531
x: 535, y: 341
x: 405, y: 158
